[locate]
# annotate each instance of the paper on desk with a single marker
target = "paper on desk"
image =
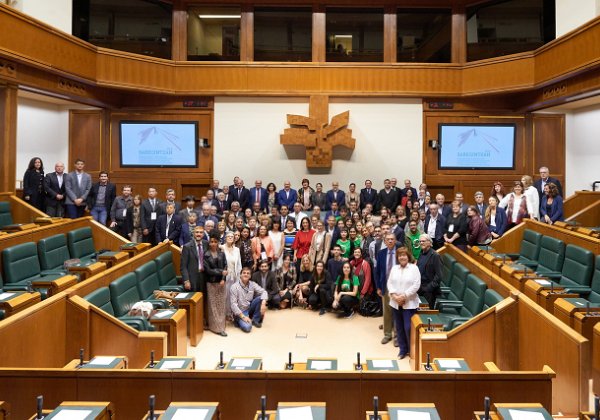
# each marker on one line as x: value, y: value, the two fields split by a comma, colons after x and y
x: 543, y: 282
x: 295, y: 413
x: 525, y: 415
x: 72, y: 414
x: 413, y: 415
x: 163, y: 314
x: 172, y: 364
x: 190, y: 414
x: 243, y: 363
x: 181, y: 295
x: 321, y: 364
x: 383, y: 364
x: 6, y: 295
x: 102, y: 360
x: 449, y: 364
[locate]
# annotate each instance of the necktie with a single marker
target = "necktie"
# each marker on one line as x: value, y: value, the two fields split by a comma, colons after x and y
x: 334, y: 196
x: 390, y: 263
x: 221, y: 204
x: 152, y: 202
x: 258, y: 195
x: 168, y: 223
x: 200, y: 256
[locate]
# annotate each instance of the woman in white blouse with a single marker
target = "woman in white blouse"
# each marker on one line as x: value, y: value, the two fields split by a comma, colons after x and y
x: 234, y: 268
x: 403, y: 284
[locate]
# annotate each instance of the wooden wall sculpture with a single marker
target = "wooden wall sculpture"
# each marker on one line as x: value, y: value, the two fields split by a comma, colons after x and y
x: 317, y: 134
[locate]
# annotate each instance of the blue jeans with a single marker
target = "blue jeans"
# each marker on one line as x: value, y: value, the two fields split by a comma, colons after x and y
x: 99, y: 214
x: 253, y: 312
x: 402, y: 322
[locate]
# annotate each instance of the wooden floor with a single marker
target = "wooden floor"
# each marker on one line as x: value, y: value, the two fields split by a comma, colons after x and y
x: 305, y: 334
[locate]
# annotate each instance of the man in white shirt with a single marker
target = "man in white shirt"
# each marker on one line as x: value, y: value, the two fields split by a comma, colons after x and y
x: 298, y: 214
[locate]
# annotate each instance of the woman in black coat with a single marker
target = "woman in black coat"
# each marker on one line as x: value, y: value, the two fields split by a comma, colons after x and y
x: 33, y: 184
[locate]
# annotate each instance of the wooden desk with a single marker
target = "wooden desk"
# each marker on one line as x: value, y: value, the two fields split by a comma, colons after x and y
x: 113, y: 258
x: 97, y: 410
x: 175, y: 325
x: 99, y: 362
x: 381, y: 365
x: 195, y: 409
x: 4, y: 410
x: 193, y: 303
x: 584, y: 324
x: 49, y: 220
x: 134, y: 248
x: 543, y: 295
x: 17, y: 301
x: 171, y: 362
x: 503, y: 410
x: 17, y: 227
x: 566, y: 308
x: 86, y: 271
x: 244, y: 363
x: 450, y: 364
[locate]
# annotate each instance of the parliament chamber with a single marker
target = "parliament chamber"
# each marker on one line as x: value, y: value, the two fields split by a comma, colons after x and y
x: 252, y: 78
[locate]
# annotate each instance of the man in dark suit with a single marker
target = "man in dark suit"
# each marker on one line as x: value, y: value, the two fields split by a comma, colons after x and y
x: 287, y: 196
x: 408, y: 186
x: 215, y: 187
x: 77, y: 188
x: 480, y: 203
x: 240, y: 194
x: 368, y: 195
x: 54, y: 185
x: 386, y: 259
x: 545, y: 178
x: 226, y: 197
x: 150, y: 212
x: 258, y: 194
x: 192, y: 265
x: 319, y: 198
x: 266, y: 279
x: 101, y: 197
x: 168, y: 226
x: 221, y: 203
x: 434, y: 226
x: 430, y: 267
x: 170, y: 199
x: 189, y: 209
x: 443, y: 208
x: 335, y: 194
x: 388, y: 197
x: 461, y: 199
x: 284, y: 216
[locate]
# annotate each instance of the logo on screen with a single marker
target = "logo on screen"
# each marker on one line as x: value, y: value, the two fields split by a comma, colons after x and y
x: 170, y: 137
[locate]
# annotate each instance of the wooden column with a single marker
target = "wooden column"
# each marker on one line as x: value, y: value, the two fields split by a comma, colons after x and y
x: 8, y: 137
x: 318, y: 35
x: 179, y: 31
x: 247, y: 34
x: 459, y: 35
x: 390, y: 35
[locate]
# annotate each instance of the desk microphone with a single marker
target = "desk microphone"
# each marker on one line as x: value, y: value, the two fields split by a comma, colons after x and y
x: 289, y: 365
x: 80, y: 358
x: 30, y: 287
x: 263, y: 407
x: 428, y: 366
x: 486, y: 408
x: 221, y: 365
x: 151, y: 403
x: 551, y: 286
x: 429, y: 328
x: 40, y: 405
x: 152, y: 363
x: 375, y: 408
x: 358, y: 365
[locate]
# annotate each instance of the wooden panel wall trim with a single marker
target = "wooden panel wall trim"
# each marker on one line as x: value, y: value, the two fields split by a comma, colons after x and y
x: 8, y: 137
x: 179, y: 30
x: 390, y: 37
x: 247, y: 34
x: 86, y: 133
x: 548, y: 145
x: 459, y: 35
x: 318, y: 36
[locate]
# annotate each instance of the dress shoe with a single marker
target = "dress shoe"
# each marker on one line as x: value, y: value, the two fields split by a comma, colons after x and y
x: 386, y: 340
x: 381, y: 326
x: 322, y: 311
x: 402, y: 356
x: 257, y: 324
x: 223, y: 334
x: 396, y: 342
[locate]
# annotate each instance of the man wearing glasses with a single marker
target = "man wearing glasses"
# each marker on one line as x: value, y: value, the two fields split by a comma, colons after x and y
x: 430, y: 266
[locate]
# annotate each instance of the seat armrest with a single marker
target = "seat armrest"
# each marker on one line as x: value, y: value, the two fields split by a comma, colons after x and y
x: 158, y: 303
x: 458, y: 321
x: 582, y: 290
x: 445, y: 290
x: 14, y: 288
x: 512, y: 256
x: 553, y: 275
x: 172, y: 288
x: 138, y: 322
x: 448, y: 303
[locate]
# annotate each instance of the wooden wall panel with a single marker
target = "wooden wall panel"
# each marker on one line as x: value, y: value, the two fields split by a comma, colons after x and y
x: 459, y: 35
x: 390, y: 36
x: 513, y: 72
x: 579, y: 200
x: 318, y: 36
x: 86, y: 140
x: 8, y: 137
x: 548, y: 144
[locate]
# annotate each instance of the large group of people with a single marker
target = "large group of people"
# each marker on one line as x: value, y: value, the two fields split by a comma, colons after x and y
x: 249, y: 249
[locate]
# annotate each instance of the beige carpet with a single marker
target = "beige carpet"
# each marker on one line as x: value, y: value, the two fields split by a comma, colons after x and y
x: 305, y: 334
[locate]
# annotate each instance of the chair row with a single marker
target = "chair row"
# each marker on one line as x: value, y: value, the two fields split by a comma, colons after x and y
x: 118, y: 298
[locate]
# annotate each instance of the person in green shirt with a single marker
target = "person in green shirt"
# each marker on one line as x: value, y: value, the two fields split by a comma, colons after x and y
x: 412, y: 239
x: 344, y: 243
x: 346, y: 291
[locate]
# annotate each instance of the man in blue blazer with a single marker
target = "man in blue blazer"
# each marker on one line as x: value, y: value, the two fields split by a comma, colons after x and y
x: 287, y: 196
x: 335, y: 194
x: 258, y: 194
x: 386, y: 259
x: 368, y: 195
x: 545, y: 178
x: 168, y: 226
x: 436, y: 233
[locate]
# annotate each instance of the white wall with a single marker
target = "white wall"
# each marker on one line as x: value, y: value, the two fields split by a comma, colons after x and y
x: 583, y: 151
x: 388, y: 135
x: 571, y: 14
x: 57, y: 13
x: 43, y: 131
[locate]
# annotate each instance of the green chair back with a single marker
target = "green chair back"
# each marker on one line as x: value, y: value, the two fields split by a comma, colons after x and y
x: 21, y: 263
x: 459, y: 282
x: 552, y: 255
x: 101, y: 298
x: 594, y: 295
x: 474, y: 296
x: 448, y: 262
x: 530, y: 245
x: 147, y: 280
x: 124, y: 294
x: 5, y: 214
x: 53, y: 252
x: 81, y: 243
x: 578, y: 266
x: 165, y: 269
x: 491, y: 298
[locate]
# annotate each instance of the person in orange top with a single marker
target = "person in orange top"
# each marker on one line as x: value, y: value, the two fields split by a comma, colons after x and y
x: 262, y: 246
x: 301, y: 245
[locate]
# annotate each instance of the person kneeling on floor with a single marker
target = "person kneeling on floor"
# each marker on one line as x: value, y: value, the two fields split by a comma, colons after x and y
x: 248, y: 302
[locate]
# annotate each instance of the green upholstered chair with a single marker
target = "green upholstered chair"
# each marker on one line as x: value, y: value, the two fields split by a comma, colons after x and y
x: 22, y: 266
x: 491, y: 298
x: 147, y: 282
x: 452, y: 314
x: 81, y: 245
x: 101, y: 298
x: 448, y: 262
x: 594, y: 294
x: 529, y: 251
x: 124, y: 294
x: 53, y: 253
x: 551, y: 258
x: 458, y: 285
x: 5, y: 214
x: 165, y: 269
x: 577, y: 270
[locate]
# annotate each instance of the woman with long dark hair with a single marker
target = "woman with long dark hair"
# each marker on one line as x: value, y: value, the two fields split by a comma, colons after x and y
x: 33, y: 183
x: 321, y: 288
x: 286, y: 279
x: 346, y: 291
x: 215, y: 266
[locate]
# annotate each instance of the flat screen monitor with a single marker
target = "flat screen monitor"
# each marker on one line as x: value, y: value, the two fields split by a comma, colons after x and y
x: 477, y: 146
x: 159, y: 144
